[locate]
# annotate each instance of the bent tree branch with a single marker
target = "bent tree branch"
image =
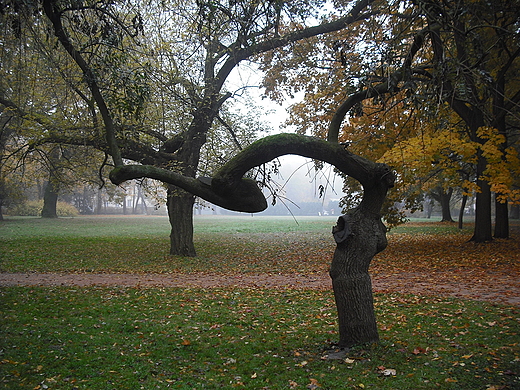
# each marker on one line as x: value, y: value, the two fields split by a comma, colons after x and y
x: 229, y: 189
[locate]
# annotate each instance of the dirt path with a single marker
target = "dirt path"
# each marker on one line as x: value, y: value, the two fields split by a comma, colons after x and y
x: 492, y: 286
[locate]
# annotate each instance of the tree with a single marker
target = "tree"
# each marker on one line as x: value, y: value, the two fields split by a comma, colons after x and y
x: 416, y: 57
x: 360, y: 234
x: 116, y: 83
x: 6, y: 188
x: 225, y: 35
x: 475, y: 51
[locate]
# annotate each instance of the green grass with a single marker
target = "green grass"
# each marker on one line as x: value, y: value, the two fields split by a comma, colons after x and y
x: 131, y: 338
x: 128, y: 338
x: 140, y: 244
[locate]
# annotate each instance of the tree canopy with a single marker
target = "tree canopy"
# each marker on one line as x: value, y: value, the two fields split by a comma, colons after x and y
x: 417, y: 73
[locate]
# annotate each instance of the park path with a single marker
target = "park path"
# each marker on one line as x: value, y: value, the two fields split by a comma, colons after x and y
x: 492, y: 286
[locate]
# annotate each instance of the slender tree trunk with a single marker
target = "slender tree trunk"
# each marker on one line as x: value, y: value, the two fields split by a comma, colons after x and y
x: 461, y: 211
x: 501, y: 220
x: 429, y: 207
x: 499, y: 113
x: 99, y: 203
x: 180, y: 212
x: 50, y: 200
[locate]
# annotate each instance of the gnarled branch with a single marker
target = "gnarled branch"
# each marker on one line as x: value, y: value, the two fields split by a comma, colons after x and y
x: 229, y: 189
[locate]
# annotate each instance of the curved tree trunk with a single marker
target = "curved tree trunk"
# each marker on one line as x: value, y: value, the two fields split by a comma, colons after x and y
x: 366, y: 234
x: 350, y: 278
x: 180, y: 212
x: 360, y: 235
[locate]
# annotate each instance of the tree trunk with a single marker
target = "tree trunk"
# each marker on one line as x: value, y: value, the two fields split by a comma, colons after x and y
x: 445, y: 198
x: 499, y: 113
x: 351, y: 280
x: 50, y: 200
x: 99, y: 203
x: 429, y: 208
x: 461, y: 211
x: 483, y: 230
x: 360, y: 235
x: 515, y: 211
x: 501, y: 220
x: 180, y: 211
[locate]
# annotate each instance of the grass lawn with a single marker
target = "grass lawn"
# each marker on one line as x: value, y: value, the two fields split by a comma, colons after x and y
x: 153, y: 338
x: 100, y: 338
x: 243, y: 244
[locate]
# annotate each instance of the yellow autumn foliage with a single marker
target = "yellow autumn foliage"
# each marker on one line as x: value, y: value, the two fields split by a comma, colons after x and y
x: 445, y: 152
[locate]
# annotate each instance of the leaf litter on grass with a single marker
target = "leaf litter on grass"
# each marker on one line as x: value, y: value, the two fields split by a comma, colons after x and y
x: 246, y: 338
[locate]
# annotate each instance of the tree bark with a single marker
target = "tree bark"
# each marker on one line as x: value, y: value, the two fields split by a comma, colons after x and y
x: 501, y: 220
x: 50, y: 200
x: 180, y: 212
x: 350, y: 278
x: 515, y: 211
x: 461, y: 211
x: 483, y: 229
x: 360, y: 235
x: 445, y: 205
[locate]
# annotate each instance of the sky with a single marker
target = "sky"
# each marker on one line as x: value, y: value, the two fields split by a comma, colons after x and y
x: 298, y: 177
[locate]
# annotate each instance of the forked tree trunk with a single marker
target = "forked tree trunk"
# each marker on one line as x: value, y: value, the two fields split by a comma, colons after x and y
x: 180, y: 212
x: 444, y: 198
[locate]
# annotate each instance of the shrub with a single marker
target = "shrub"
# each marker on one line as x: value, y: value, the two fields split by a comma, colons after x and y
x: 34, y: 209
x: 66, y: 210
